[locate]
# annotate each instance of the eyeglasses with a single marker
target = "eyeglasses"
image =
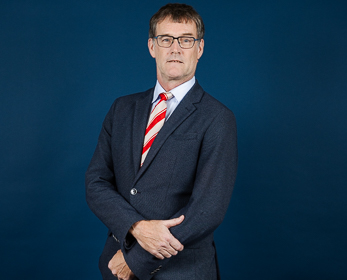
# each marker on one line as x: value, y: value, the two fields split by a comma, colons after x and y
x: 166, y: 41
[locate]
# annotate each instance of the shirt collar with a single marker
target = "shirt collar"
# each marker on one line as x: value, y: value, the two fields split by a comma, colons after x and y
x: 178, y: 92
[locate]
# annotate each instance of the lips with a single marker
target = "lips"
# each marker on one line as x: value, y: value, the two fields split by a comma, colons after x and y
x: 176, y: 61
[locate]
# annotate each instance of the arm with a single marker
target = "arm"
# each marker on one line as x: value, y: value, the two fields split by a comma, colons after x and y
x: 112, y: 208
x: 102, y: 195
x: 215, y: 178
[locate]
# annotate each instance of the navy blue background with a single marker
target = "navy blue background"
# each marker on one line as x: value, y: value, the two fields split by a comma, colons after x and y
x: 281, y: 66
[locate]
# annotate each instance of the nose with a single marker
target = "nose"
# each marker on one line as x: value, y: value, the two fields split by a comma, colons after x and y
x: 175, y: 47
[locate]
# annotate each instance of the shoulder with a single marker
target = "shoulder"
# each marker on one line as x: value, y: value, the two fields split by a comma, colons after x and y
x: 221, y: 117
x: 210, y: 107
x: 127, y: 101
x: 213, y: 103
x: 131, y: 98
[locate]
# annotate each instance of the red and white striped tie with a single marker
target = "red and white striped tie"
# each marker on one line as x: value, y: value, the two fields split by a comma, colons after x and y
x: 155, y: 123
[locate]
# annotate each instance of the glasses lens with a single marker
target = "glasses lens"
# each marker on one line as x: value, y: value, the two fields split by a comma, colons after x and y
x: 164, y: 41
x: 186, y: 42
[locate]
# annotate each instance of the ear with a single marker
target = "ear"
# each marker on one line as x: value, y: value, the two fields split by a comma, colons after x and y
x: 201, y: 48
x: 151, y: 47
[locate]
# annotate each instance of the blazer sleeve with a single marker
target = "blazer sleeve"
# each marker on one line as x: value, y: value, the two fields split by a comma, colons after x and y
x: 101, y: 190
x: 214, y: 183
x: 215, y: 178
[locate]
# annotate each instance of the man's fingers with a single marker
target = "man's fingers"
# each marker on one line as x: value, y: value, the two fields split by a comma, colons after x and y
x: 176, y: 245
x: 173, y: 242
x: 173, y: 222
x: 170, y: 250
x: 158, y: 255
x: 165, y: 253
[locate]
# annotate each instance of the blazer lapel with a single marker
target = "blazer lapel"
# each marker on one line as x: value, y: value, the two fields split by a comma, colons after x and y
x: 181, y: 113
x: 141, y: 115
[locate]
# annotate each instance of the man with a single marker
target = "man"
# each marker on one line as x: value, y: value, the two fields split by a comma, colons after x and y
x: 162, y: 189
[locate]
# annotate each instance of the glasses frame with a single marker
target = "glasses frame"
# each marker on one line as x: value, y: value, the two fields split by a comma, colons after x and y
x: 173, y: 39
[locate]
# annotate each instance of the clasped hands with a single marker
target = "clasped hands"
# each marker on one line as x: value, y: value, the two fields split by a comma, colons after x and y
x: 153, y: 236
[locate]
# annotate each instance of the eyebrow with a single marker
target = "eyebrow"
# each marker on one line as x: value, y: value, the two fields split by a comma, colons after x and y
x: 184, y: 34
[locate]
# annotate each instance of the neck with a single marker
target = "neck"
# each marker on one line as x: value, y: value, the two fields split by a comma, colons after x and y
x: 171, y: 84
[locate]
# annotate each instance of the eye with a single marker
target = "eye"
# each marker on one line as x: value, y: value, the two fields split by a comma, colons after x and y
x: 165, y: 39
x: 186, y: 40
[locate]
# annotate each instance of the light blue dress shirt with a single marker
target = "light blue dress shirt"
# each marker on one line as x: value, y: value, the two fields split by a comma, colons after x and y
x: 178, y: 94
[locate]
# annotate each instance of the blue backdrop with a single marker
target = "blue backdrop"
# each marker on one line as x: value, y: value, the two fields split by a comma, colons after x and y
x: 281, y: 66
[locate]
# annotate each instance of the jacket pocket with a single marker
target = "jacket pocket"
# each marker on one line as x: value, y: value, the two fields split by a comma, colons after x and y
x: 185, y: 136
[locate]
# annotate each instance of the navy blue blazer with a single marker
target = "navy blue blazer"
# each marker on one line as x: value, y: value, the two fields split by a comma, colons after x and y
x: 190, y: 170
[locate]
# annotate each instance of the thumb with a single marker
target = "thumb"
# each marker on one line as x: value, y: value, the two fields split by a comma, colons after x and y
x: 173, y: 222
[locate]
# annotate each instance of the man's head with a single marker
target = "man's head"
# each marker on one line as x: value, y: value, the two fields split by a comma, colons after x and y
x: 176, y: 58
x: 177, y: 13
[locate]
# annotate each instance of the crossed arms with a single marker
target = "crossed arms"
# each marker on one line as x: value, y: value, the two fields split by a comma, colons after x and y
x: 214, y: 178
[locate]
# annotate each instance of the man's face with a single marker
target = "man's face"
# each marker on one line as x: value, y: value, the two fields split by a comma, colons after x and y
x: 175, y: 64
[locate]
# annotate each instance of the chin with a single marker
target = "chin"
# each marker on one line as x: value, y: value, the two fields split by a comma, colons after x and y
x: 175, y: 75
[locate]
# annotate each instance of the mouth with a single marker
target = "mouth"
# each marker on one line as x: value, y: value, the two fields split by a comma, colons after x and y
x: 175, y: 61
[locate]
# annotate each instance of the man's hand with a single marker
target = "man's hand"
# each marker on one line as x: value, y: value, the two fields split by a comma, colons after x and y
x: 119, y: 267
x: 154, y: 236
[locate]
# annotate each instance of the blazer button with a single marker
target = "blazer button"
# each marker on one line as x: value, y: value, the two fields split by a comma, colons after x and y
x: 133, y: 191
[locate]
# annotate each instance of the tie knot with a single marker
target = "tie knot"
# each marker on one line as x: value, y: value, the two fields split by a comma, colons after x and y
x: 166, y: 96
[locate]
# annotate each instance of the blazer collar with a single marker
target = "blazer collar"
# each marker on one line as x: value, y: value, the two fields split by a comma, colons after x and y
x: 181, y: 113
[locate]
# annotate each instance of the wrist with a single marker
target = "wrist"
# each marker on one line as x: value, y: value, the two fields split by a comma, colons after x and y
x: 132, y: 229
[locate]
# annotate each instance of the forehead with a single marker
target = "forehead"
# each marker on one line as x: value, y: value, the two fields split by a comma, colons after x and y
x: 169, y: 27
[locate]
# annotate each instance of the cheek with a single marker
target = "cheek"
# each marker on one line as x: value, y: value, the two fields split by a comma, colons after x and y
x: 161, y: 58
x: 192, y: 63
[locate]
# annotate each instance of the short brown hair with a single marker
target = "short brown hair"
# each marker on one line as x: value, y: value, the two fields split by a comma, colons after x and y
x: 177, y: 13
